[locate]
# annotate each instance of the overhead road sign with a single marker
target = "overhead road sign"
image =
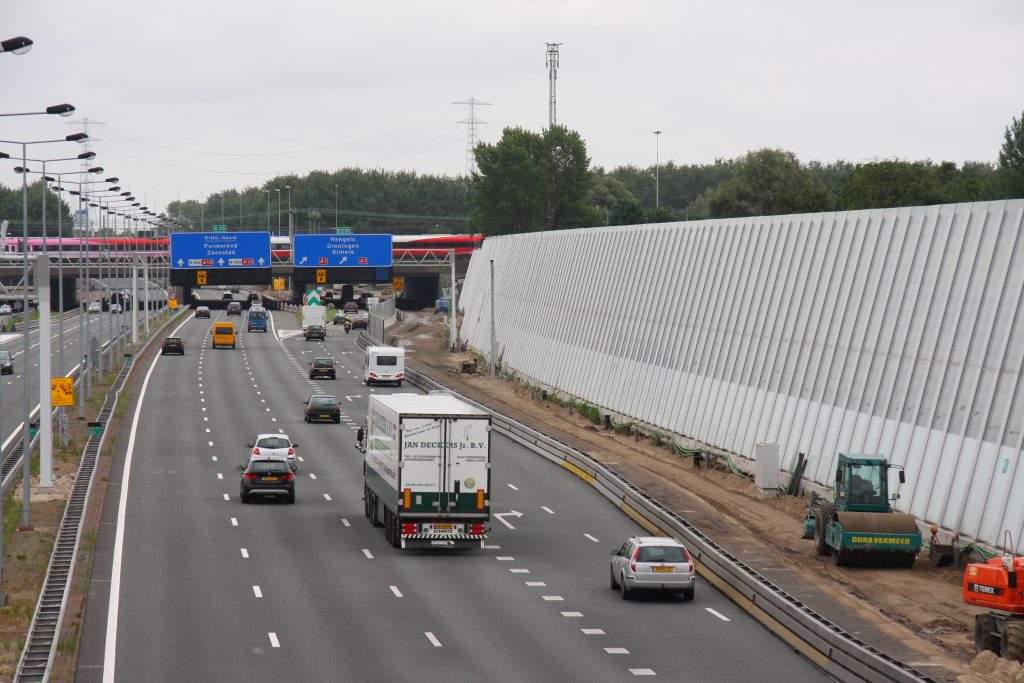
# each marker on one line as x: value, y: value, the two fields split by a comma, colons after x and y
x: 220, y: 228
x: 208, y: 250
x: 343, y: 251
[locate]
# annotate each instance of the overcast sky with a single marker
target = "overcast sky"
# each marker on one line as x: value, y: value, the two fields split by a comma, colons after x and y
x: 195, y: 97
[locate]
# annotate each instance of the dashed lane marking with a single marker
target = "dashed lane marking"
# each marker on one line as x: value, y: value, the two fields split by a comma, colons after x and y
x: 535, y: 584
x: 245, y: 554
x: 432, y: 638
x: 592, y: 538
x: 593, y: 631
x: 547, y: 509
x: 326, y: 497
x: 257, y: 591
x: 518, y: 570
x: 234, y: 521
x: 572, y: 615
x: 505, y: 558
x: 642, y: 672
x: 227, y: 497
x: 394, y: 589
x: 513, y: 487
x: 274, y: 642
x: 717, y: 614
x: 345, y: 522
x: 553, y: 598
x: 616, y: 650
x: 213, y: 458
x: 220, y: 475
x: 312, y: 476
x: 369, y: 555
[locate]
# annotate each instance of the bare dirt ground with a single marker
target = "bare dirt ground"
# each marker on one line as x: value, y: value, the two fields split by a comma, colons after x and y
x: 915, y: 615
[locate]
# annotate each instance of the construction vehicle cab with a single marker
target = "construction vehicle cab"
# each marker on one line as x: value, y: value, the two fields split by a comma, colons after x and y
x: 998, y: 584
x: 860, y: 527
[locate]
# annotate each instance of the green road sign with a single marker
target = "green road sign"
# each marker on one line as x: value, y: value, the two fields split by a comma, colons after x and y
x: 220, y: 228
x: 343, y: 231
x: 95, y: 429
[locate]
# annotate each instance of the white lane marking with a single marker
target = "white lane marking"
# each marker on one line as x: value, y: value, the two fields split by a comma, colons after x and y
x: 394, y: 589
x: 513, y: 487
x: 326, y: 497
x: 273, y: 419
x: 593, y: 631
x: 572, y: 615
x: 519, y: 571
x: 432, y: 638
x: 113, y: 606
x: 234, y: 521
x: 505, y: 558
x: 345, y: 522
x: 204, y: 409
x: 369, y: 555
x: 547, y: 509
x: 206, y: 419
x: 245, y: 554
x: 616, y: 650
x: 207, y: 430
x: 592, y: 538
x: 553, y: 598
x: 227, y: 497
x: 312, y: 476
x: 301, y: 459
x: 263, y: 400
x: 274, y: 642
x: 268, y: 410
x: 213, y: 458
x: 492, y: 547
x: 535, y: 584
x: 717, y: 614
x: 220, y: 475
x: 642, y: 672
x: 211, y: 443
x: 257, y: 591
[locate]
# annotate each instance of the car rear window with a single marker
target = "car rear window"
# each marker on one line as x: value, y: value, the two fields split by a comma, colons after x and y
x: 387, y: 360
x: 268, y: 466
x: 223, y: 329
x: 273, y: 442
x: 324, y: 401
x: 323, y: 363
x: 173, y: 340
x: 661, y: 553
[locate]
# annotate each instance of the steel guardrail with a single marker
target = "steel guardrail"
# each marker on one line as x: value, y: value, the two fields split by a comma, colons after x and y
x: 836, y: 651
x: 41, y: 641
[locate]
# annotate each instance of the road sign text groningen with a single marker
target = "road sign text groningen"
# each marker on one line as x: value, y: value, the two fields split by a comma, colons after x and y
x: 346, y: 251
x: 220, y: 250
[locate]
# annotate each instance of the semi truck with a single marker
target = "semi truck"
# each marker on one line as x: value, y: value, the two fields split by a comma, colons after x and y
x: 427, y: 470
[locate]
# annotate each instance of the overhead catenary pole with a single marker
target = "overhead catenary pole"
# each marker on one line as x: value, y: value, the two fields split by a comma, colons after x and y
x: 451, y: 310
x: 45, y: 406
x: 135, y: 298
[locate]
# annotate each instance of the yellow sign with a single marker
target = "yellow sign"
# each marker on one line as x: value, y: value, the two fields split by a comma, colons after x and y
x: 321, y: 276
x: 172, y: 303
x: 200, y: 277
x: 62, y: 391
x: 279, y: 284
x: 398, y: 284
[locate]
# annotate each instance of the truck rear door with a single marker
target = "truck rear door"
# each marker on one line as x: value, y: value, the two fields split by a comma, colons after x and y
x: 445, y: 465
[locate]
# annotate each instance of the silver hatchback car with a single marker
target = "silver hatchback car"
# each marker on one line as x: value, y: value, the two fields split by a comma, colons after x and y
x: 652, y: 563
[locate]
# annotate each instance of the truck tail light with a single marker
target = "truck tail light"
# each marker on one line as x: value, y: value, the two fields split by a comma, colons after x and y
x: 477, y: 529
x: 632, y: 561
x: 407, y: 498
x: 408, y: 527
x: 480, y: 502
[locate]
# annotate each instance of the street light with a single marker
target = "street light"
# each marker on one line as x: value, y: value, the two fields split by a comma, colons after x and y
x: 59, y: 109
x: 657, y: 168
x: 16, y: 46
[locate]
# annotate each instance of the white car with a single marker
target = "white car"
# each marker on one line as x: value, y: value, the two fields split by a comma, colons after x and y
x: 5, y: 309
x: 115, y: 308
x: 94, y: 307
x: 274, y: 444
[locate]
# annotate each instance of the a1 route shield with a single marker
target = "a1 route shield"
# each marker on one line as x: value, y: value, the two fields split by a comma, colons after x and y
x: 343, y: 251
x: 220, y: 250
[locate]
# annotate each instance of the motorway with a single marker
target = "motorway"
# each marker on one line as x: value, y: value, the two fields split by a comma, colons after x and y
x: 188, y: 583
x: 12, y: 395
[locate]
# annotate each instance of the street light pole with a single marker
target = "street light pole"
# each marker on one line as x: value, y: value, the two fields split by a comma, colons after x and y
x: 657, y: 169
x: 278, y: 190
x: 290, y: 227
x: 268, y: 209
x: 335, y: 206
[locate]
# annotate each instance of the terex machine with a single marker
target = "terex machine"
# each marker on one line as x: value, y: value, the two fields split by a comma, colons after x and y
x: 998, y: 584
x: 860, y: 527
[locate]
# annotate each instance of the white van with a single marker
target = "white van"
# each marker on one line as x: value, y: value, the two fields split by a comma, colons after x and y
x: 384, y: 364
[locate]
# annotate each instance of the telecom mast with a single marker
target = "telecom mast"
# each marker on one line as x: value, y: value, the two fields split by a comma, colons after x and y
x: 471, y: 122
x: 81, y: 221
x: 551, y: 62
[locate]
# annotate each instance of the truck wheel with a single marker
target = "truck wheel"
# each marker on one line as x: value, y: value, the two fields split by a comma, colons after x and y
x: 396, y: 537
x: 984, y: 639
x: 374, y: 511
x: 1013, y: 640
x: 821, y: 517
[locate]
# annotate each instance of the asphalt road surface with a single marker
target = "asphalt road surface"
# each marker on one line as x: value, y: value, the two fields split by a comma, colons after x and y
x: 205, y: 588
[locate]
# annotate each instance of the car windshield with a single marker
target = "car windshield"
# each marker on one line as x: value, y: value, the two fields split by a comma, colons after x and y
x: 272, y: 442
x: 257, y: 315
x: 234, y: 304
x: 5, y: 355
x: 267, y: 466
x: 323, y: 401
x: 387, y: 360
x: 323, y: 363
x: 661, y: 553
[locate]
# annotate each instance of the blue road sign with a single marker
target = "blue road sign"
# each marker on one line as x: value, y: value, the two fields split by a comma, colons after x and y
x: 348, y: 251
x: 205, y: 250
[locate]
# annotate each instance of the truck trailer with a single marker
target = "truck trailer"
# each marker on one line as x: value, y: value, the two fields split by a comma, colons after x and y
x: 427, y: 470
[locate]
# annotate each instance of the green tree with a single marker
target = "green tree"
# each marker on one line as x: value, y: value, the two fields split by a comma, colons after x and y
x: 1011, y: 159
x: 890, y: 183
x: 11, y: 209
x: 528, y: 181
x: 769, y: 182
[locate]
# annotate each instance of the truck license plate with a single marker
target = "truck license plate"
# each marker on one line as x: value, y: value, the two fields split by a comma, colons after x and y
x: 663, y: 569
x: 443, y: 527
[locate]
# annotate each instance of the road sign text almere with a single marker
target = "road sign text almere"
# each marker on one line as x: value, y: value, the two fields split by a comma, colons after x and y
x: 343, y: 251
x: 220, y: 250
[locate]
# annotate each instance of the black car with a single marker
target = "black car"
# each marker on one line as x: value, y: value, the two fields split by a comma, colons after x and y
x: 172, y: 345
x: 324, y: 408
x: 322, y: 367
x: 203, y: 312
x: 266, y: 477
x: 235, y: 308
x: 316, y: 332
x: 6, y: 363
